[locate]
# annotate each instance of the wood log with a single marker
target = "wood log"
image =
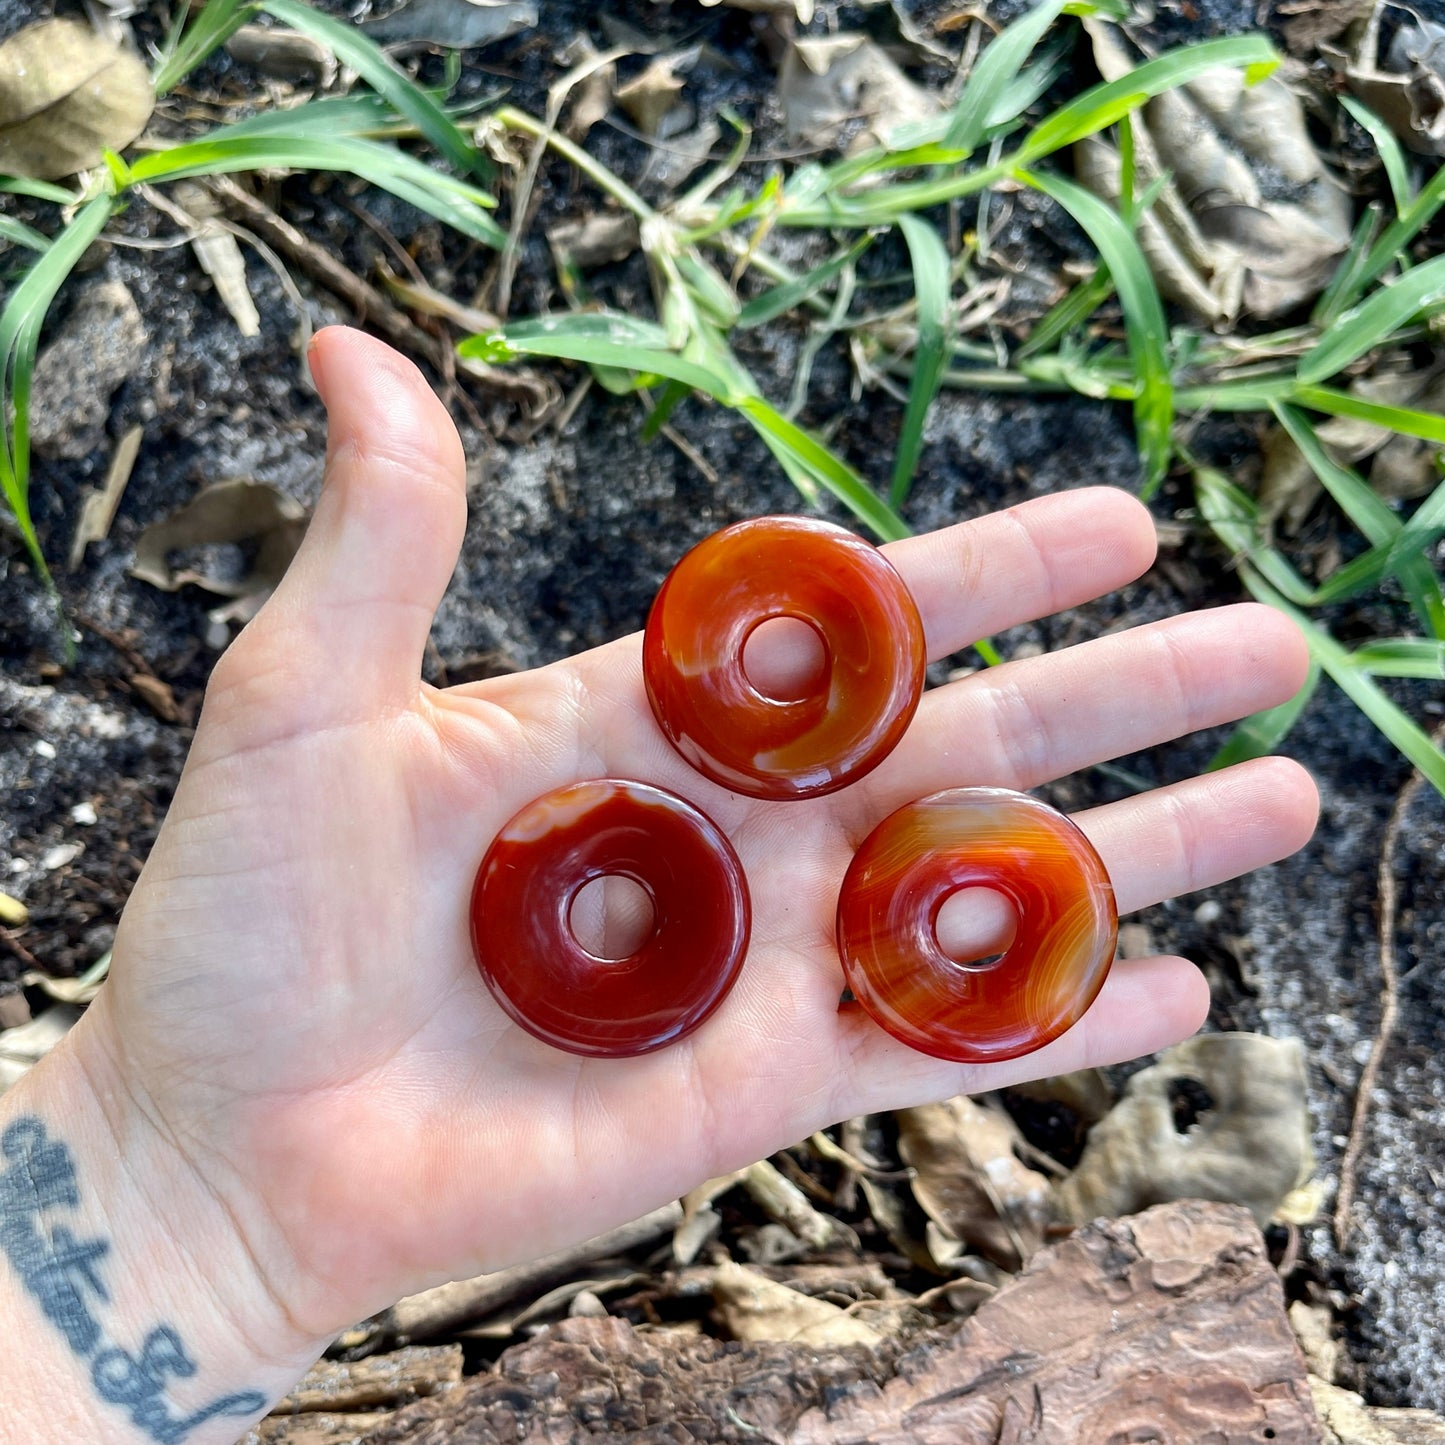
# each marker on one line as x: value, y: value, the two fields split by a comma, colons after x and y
x: 1169, y: 1325
x: 397, y: 1378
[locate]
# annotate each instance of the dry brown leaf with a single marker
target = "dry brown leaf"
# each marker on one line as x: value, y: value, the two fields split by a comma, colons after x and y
x: 969, y: 1182
x: 802, y: 9
x: 455, y: 24
x: 700, y: 1221
x: 594, y: 240
x: 783, y: 1201
x: 651, y: 96
x: 284, y: 54
x: 1085, y: 1091
x: 1219, y: 1117
x: 232, y: 511
x: 1404, y: 467
x: 97, y: 507
x: 1407, y: 92
x: 753, y: 1307
x: 67, y: 96
x: 827, y: 82
x: 1248, y: 215
x: 157, y: 696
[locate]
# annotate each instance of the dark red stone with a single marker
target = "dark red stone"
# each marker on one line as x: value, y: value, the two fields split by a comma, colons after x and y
x: 1015, y: 845
x: 521, y: 918
x: 873, y: 664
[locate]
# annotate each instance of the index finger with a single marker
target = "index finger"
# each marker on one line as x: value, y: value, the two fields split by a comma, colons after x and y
x: 1041, y: 557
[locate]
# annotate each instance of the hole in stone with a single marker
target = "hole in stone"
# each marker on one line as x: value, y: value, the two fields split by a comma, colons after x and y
x: 784, y: 659
x: 975, y: 926
x: 612, y: 917
x: 1188, y: 1099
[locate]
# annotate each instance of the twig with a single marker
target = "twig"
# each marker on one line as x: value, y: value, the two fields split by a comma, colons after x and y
x: 463, y: 1301
x: 364, y: 299
x: 524, y: 199
x: 1389, y: 1005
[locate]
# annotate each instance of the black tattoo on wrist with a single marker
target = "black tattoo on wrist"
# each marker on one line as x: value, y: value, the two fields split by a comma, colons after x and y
x: 63, y: 1272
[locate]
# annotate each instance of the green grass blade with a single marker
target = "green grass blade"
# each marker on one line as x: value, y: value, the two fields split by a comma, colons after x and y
x: 826, y: 468
x: 1405, y: 419
x: 20, y: 324
x: 38, y: 190
x: 1404, y: 229
x: 364, y: 56
x: 1255, y: 394
x: 214, y: 24
x: 1372, y: 516
x: 1071, y: 310
x: 995, y: 69
x: 457, y: 203
x: 619, y: 341
x: 1402, y: 730
x: 333, y: 118
x: 1375, y: 320
x: 1234, y: 518
x: 1424, y: 530
x: 1392, y: 153
x: 599, y: 339
x: 673, y: 395
x: 1350, y: 275
x: 932, y: 283
x: 19, y: 234
x: 779, y: 299
x: 1348, y: 488
x: 1401, y: 657
x: 1261, y: 734
x: 1146, y: 330
x: 1102, y: 105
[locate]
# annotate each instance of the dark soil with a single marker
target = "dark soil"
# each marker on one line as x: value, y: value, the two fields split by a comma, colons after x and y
x: 571, y: 532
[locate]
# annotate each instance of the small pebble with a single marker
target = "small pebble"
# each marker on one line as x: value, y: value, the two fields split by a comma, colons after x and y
x: 586, y: 1306
x: 218, y: 635
x: 59, y: 856
x: 44, y: 749
x: 84, y: 814
x: 1208, y: 912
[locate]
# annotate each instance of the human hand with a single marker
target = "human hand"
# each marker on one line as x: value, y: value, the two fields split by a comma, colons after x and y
x: 293, y: 1005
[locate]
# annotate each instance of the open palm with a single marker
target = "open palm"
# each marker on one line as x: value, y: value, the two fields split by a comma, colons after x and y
x: 293, y: 992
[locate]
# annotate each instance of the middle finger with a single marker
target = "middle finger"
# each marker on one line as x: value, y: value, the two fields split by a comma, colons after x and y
x: 1024, y: 723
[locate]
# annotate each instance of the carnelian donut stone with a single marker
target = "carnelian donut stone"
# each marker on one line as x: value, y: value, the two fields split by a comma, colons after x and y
x: 872, y: 638
x: 521, y: 918
x: 913, y: 862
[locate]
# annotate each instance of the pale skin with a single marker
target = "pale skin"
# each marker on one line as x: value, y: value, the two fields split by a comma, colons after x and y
x: 295, y: 1100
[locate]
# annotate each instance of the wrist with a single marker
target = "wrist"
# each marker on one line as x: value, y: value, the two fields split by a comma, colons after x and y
x: 146, y: 1312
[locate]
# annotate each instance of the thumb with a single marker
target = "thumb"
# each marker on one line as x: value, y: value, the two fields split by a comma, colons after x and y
x: 352, y: 614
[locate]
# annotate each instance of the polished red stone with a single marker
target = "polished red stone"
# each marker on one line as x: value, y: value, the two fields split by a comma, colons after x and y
x: 873, y: 646
x: 989, y: 838
x: 521, y: 918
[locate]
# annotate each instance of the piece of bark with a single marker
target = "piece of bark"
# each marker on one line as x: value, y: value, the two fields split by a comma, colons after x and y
x: 392, y: 1379
x: 462, y: 1301
x: 313, y: 1429
x: 1347, y: 1420
x: 1166, y: 1326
